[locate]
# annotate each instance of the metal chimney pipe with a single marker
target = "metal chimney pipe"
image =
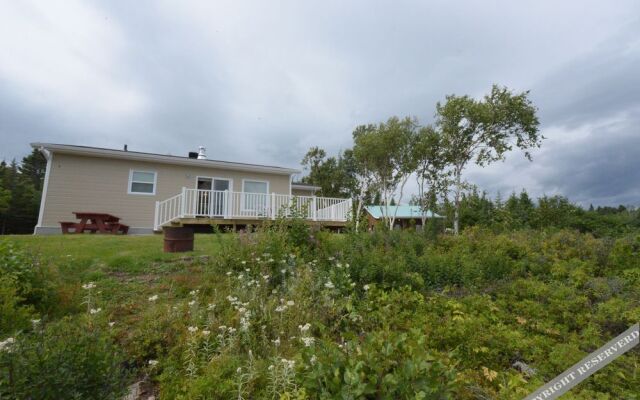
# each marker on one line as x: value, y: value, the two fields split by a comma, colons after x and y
x: 202, y: 153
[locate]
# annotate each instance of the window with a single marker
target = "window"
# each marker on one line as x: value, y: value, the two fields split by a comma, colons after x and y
x: 142, y: 182
x: 254, y: 198
x: 255, y: 187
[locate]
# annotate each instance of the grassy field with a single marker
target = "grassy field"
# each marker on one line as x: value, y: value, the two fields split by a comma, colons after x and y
x: 283, y: 314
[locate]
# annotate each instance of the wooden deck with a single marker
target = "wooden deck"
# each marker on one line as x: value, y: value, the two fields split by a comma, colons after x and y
x: 241, y: 223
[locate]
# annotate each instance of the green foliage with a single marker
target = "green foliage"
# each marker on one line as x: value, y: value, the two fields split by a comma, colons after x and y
x: 68, y: 359
x: 490, y: 313
x: 20, y: 191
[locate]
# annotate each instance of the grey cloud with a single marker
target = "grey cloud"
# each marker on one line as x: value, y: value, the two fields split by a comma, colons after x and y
x: 263, y: 82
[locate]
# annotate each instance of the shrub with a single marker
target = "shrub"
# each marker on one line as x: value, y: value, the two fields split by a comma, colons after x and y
x: 68, y: 359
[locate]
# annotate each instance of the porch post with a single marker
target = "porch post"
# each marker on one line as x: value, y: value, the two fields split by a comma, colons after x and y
x: 225, y: 212
x: 273, y: 205
x: 315, y: 210
x: 183, y: 209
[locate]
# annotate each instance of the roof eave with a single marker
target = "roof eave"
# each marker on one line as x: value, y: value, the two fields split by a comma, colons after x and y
x: 158, y: 158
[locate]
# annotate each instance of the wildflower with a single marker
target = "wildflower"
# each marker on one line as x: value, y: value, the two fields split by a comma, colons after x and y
x: 95, y: 310
x: 313, y: 359
x: 206, y: 333
x: 308, y: 341
x: 283, y: 271
x: 247, y: 270
x: 365, y: 287
x: 240, y: 276
x: 270, y: 367
x: 304, y: 328
x: 153, y: 363
x: 232, y: 299
x: 194, y: 292
x: 265, y: 277
x: 211, y: 306
x: 229, y: 273
x: 192, y: 302
x: 243, y: 262
x: 232, y: 330
x: 6, y: 344
x: 153, y: 298
x: 271, y: 260
x: 111, y: 324
x: 281, y: 308
x: 329, y: 285
x: 35, y: 322
x: 239, y: 370
x: 88, y: 286
x: 276, y: 342
x: 290, y: 303
x: 222, y: 327
x: 242, y: 310
x: 193, y: 329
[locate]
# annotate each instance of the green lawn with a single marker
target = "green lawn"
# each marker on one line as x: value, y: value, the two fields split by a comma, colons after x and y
x: 126, y: 268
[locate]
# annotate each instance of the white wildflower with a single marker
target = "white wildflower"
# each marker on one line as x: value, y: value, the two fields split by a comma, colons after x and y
x: 283, y: 271
x: 192, y: 302
x: 88, y: 286
x: 206, y: 333
x: 194, y: 292
x: 276, y: 342
x: 35, y: 322
x: 229, y: 273
x: 239, y: 370
x: 329, y: 285
x: 153, y: 363
x: 6, y: 344
x: 111, y: 324
x: 308, y: 341
x: 153, y: 298
x: 305, y: 327
x: 211, y: 306
x: 193, y: 329
x: 291, y: 303
x: 313, y: 359
x: 281, y: 308
x: 95, y: 310
x: 365, y: 287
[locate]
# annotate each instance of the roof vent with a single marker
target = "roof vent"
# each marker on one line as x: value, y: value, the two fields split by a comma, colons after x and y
x: 202, y: 155
x: 193, y: 154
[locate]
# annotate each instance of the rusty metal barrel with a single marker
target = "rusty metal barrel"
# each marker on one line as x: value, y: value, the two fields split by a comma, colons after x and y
x: 178, y: 239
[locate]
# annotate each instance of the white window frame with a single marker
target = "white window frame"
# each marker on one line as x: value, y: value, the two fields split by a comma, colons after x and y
x: 243, y: 194
x: 155, y: 182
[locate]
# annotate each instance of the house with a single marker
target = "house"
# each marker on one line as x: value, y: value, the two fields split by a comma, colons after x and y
x: 405, y: 216
x: 149, y: 191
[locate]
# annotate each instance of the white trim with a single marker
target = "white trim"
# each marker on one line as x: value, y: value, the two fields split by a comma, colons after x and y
x: 164, y: 159
x: 49, y: 157
x: 155, y: 182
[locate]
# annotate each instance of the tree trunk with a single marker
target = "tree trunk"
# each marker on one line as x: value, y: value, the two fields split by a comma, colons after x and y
x: 456, y: 215
x: 393, y: 219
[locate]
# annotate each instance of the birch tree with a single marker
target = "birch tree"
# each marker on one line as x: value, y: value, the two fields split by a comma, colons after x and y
x: 431, y: 177
x: 384, y: 152
x: 484, y: 130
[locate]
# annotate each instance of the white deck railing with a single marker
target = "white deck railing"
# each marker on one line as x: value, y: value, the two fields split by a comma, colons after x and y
x: 192, y: 203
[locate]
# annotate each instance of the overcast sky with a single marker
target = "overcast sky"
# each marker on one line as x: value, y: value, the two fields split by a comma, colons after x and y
x: 262, y: 81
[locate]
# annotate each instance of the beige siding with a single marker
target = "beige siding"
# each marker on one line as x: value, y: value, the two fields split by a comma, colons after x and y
x: 78, y: 183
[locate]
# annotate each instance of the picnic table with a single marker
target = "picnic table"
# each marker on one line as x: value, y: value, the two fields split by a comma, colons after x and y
x: 94, y: 222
